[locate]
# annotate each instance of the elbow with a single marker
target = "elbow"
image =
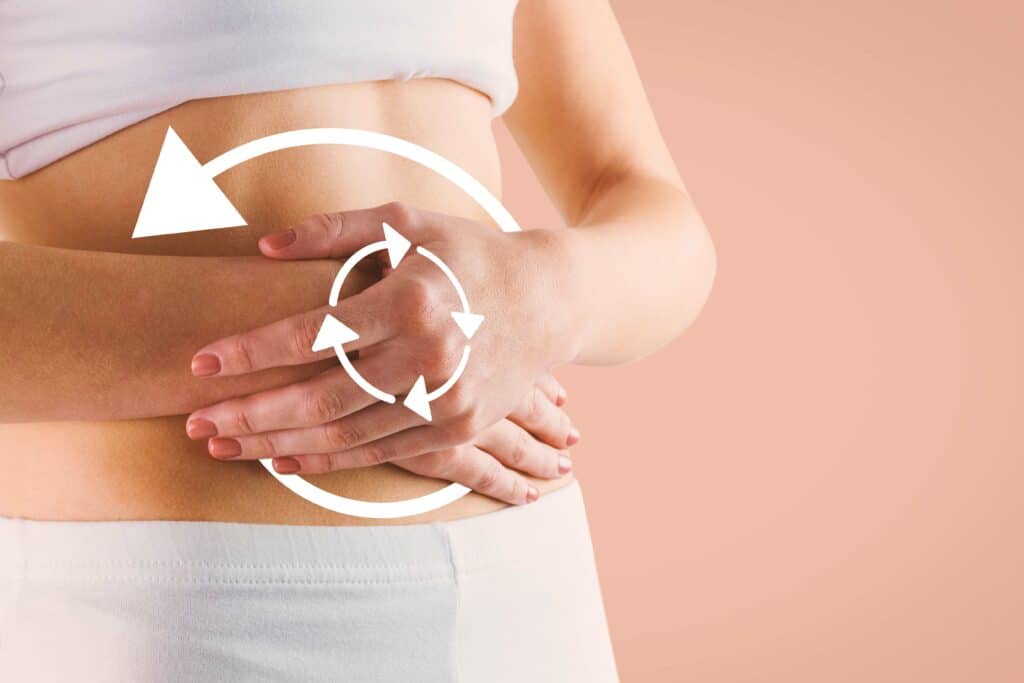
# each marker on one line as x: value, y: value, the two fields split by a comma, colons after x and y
x: 703, y: 269
x: 695, y: 275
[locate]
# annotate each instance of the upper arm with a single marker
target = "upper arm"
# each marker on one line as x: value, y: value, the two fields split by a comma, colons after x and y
x: 582, y: 117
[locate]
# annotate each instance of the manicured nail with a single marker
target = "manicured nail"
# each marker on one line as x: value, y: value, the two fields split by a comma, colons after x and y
x: 532, y: 494
x: 574, y: 437
x: 205, y: 365
x: 563, y: 396
x: 286, y: 465
x: 279, y: 240
x: 564, y: 464
x: 224, y: 448
x: 198, y: 428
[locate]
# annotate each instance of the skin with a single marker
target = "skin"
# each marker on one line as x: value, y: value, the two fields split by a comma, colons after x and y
x: 602, y: 162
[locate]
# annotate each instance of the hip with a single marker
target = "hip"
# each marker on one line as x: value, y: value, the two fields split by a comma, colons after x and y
x: 511, y: 595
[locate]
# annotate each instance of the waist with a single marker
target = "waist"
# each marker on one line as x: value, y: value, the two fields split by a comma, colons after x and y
x: 215, y: 551
x: 147, y: 469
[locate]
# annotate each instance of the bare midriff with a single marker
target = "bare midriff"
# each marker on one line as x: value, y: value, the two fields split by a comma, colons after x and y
x: 149, y: 469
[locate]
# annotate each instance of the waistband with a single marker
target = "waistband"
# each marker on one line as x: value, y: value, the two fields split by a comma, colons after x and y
x: 228, y: 552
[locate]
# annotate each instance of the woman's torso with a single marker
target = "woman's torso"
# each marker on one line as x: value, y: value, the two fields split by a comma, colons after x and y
x: 148, y: 469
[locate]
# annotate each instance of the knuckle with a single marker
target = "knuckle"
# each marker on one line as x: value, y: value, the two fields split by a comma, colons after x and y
x: 331, y: 463
x: 303, y: 335
x: 460, y: 401
x: 400, y: 214
x: 243, y: 353
x: 450, y: 345
x: 340, y: 437
x: 535, y: 406
x: 325, y: 224
x: 518, y: 491
x: 327, y: 228
x: 265, y: 446
x: 244, y: 426
x: 419, y: 303
x: 519, y: 449
x: 447, y: 463
x: 461, y: 430
x: 377, y: 454
x: 488, y: 477
x: 323, y: 406
x: 439, y: 363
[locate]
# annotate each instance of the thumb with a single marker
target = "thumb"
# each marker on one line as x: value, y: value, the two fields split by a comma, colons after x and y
x: 340, y: 234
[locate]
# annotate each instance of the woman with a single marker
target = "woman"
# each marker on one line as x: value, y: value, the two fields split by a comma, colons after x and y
x: 122, y: 466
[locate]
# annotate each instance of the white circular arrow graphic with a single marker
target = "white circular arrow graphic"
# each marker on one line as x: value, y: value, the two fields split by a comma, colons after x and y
x: 183, y: 197
x: 334, y: 333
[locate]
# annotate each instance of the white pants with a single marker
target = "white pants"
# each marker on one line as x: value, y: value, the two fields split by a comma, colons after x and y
x: 508, y: 596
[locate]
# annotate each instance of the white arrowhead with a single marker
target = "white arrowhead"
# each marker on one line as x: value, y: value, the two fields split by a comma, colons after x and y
x: 417, y: 400
x: 469, y: 323
x: 182, y: 197
x: 333, y: 332
x: 397, y: 245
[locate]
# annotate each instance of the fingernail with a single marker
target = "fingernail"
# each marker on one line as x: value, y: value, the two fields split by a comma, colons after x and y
x: 532, y: 494
x: 564, y: 464
x: 198, y: 428
x: 286, y: 465
x: 574, y: 437
x: 205, y: 364
x: 279, y: 240
x: 224, y: 448
x: 563, y: 396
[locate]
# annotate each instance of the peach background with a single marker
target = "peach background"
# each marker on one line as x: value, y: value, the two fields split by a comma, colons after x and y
x: 823, y: 480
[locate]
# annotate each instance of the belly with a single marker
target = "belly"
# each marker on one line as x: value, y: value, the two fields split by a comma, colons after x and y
x: 147, y: 469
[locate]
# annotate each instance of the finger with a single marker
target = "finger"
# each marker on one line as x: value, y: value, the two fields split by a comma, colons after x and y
x: 366, y: 425
x: 466, y: 465
x: 472, y: 467
x: 539, y: 416
x: 290, y: 341
x: 325, y: 398
x: 514, y: 447
x: 551, y: 387
x: 339, y: 234
x: 399, y: 446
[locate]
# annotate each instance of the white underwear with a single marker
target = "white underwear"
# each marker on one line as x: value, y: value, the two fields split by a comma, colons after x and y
x: 508, y: 596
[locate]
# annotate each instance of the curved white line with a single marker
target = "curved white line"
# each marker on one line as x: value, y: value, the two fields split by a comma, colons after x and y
x: 359, y: 379
x: 450, y: 382
x: 364, y: 138
x: 423, y: 251
x: 366, y: 508
x: 350, y: 263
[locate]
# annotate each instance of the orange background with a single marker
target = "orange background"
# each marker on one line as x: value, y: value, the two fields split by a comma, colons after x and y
x: 822, y: 480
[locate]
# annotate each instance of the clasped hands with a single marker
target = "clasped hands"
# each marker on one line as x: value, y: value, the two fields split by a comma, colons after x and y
x: 502, y: 419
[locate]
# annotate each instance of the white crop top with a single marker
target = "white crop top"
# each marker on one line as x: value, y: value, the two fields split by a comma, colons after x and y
x: 75, y: 71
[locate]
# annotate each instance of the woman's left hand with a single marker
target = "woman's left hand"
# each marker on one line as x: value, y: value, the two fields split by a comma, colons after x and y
x: 517, y: 281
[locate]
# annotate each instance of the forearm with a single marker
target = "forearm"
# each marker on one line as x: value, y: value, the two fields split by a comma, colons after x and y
x: 639, y: 265
x: 92, y: 335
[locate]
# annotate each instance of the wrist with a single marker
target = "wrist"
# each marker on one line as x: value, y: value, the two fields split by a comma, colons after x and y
x: 562, y: 290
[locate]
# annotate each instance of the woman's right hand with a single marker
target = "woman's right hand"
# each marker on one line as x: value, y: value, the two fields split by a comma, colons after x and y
x: 533, y: 441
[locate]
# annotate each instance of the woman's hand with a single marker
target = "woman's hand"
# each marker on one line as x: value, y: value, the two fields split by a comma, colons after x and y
x: 406, y: 332
x: 530, y: 441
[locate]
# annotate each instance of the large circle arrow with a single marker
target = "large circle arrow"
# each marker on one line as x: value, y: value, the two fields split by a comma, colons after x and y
x: 183, y: 197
